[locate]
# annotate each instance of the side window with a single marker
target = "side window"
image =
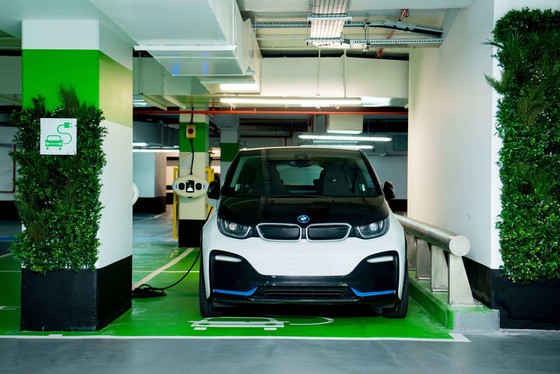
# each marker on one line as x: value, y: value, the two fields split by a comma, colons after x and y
x: 245, y: 175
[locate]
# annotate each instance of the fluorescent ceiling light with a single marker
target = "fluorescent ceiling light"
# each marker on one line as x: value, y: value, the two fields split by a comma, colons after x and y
x: 139, y: 144
x: 345, y: 146
x: 344, y: 132
x: 375, y: 101
x: 346, y: 138
x: 158, y: 150
x: 306, y: 102
x: 139, y: 103
x: 195, y: 48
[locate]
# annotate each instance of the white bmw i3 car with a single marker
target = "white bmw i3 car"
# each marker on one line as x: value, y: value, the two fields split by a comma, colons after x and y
x: 302, y: 225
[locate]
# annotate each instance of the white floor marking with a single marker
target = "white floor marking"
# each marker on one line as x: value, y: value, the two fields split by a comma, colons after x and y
x: 325, y: 322
x: 459, y: 337
x: 153, y: 274
x: 266, y: 323
x: 6, y: 255
x: 456, y: 338
x: 8, y: 307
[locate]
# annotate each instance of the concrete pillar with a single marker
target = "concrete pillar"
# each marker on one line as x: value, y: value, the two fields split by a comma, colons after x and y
x: 229, y: 145
x: 84, y: 55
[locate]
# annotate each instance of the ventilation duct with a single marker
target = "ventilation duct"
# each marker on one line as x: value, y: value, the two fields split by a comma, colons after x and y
x: 345, y: 124
x: 209, y: 40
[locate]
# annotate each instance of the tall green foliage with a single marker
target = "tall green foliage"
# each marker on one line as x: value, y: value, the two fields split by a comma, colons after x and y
x: 58, y: 196
x: 528, y: 52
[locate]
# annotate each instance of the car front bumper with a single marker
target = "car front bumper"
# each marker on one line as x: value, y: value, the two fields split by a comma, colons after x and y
x: 233, y: 280
x: 254, y: 270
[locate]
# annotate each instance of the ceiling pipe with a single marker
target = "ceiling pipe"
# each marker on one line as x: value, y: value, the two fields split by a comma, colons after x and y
x: 404, y: 13
x: 213, y: 112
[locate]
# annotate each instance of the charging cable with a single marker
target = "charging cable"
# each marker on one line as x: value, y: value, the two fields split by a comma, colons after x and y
x: 146, y: 291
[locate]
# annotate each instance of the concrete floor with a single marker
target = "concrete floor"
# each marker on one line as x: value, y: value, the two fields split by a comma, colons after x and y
x: 506, y: 351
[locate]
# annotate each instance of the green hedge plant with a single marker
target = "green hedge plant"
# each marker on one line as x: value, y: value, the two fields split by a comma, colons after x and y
x: 528, y: 121
x: 58, y: 196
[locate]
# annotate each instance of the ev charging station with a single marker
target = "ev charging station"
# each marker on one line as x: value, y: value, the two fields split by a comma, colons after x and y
x: 192, y: 183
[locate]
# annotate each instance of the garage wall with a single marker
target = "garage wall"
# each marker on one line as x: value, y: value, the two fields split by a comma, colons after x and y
x: 393, y: 169
x: 453, y: 178
x: 149, y: 173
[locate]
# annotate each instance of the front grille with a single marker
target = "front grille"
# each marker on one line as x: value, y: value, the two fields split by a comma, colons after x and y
x: 307, y: 293
x: 334, y: 231
x: 279, y: 231
x: 293, y: 232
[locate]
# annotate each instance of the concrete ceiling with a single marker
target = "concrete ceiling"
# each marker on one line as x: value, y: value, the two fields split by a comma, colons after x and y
x: 280, y: 27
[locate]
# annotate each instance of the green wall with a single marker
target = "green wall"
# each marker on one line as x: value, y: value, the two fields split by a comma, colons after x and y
x: 44, y: 71
x: 97, y: 79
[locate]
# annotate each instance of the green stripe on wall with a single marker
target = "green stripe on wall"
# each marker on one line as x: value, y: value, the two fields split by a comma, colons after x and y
x: 115, y: 91
x: 201, y: 142
x: 97, y: 79
x: 228, y: 151
x: 45, y: 71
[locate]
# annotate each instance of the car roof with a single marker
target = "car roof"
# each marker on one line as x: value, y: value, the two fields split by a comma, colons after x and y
x: 300, y: 149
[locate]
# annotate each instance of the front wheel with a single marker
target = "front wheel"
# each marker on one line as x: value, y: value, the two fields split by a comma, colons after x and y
x: 207, y: 309
x: 400, y: 308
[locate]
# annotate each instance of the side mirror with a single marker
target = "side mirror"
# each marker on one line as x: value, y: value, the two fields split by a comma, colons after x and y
x: 213, y: 191
x: 389, y: 190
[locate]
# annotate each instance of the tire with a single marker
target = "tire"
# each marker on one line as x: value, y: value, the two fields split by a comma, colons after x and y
x: 401, y: 308
x: 207, y: 309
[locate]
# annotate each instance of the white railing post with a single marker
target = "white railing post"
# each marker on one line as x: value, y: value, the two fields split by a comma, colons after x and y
x: 440, y: 273
x: 459, y: 289
x: 422, y: 259
x: 432, y: 244
x: 411, y: 253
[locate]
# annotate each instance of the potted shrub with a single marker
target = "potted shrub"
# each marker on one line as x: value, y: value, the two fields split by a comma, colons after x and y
x: 58, y: 201
x: 528, y: 121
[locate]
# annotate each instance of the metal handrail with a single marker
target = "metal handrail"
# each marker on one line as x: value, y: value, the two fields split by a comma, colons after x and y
x: 437, y: 255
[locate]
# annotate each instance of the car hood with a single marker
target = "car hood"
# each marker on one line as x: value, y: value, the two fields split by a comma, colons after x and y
x: 354, y: 210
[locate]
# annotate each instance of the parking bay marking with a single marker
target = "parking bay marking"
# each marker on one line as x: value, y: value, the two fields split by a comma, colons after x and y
x: 266, y: 323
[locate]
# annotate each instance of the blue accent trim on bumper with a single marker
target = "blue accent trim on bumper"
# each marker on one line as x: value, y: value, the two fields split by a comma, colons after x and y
x: 374, y: 293
x: 236, y: 293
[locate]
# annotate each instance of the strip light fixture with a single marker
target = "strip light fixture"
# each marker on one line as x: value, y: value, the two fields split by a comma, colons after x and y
x: 304, y: 102
x: 345, y: 146
x: 345, y: 138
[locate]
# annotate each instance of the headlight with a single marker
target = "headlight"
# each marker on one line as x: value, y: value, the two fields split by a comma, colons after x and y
x: 235, y: 230
x: 373, y: 230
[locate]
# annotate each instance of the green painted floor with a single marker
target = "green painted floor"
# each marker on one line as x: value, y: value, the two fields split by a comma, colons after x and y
x: 177, y: 313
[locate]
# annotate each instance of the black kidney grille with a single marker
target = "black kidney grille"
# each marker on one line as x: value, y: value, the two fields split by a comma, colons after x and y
x: 279, y: 231
x: 336, y: 231
x: 293, y: 232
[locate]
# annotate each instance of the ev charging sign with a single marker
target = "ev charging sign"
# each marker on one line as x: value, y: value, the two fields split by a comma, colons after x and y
x: 58, y: 136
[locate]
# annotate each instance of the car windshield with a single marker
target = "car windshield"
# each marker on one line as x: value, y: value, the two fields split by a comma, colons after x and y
x: 270, y: 172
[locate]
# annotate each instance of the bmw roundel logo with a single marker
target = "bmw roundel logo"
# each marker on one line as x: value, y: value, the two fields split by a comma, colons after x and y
x: 303, y: 219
